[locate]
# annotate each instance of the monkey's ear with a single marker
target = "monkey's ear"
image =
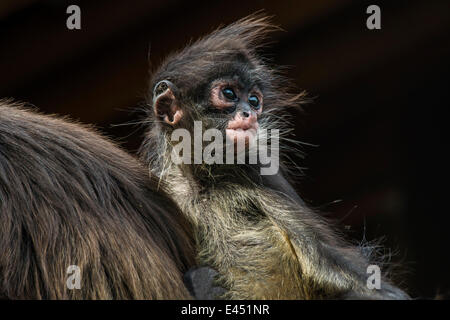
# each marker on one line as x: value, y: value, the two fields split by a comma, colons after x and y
x: 165, y: 104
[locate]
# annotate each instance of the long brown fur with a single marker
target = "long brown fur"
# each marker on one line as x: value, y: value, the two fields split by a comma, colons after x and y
x: 69, y: 196
x: 264, y: 243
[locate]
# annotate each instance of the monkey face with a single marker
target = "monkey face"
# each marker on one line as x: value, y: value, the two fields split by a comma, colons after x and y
x: 242, y: 103
x: 230, y: 104
x: 221, y: 82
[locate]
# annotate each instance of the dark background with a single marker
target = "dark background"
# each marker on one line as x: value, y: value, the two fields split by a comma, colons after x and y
x: 378, y: 115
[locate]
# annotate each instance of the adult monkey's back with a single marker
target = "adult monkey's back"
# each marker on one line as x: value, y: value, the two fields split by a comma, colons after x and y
x: 68, y: 196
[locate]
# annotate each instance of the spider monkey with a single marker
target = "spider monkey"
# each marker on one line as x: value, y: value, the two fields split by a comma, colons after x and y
x: 69, y: 196
x: 264, y: 242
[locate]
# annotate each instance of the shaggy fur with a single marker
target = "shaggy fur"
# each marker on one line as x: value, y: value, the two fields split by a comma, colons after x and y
x: 68, y: 196
x: 264, y: 242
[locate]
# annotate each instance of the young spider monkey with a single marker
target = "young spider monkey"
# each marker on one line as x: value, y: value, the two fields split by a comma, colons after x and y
x: 253, y: 229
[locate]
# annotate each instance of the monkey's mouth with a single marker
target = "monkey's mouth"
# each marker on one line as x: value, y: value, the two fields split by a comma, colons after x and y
x: 241, y: 131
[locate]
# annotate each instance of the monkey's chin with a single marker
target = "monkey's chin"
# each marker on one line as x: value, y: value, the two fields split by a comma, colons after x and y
x: 241, y: 137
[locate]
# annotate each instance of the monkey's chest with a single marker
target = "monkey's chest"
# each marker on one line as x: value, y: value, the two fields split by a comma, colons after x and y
x: 253, y: 260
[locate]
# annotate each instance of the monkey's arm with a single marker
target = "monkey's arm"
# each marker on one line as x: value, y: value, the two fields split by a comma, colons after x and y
x: 279, y: 183
x: 327, y: 263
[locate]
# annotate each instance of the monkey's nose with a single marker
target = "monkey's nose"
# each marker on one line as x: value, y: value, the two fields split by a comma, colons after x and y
x: 246, y: 114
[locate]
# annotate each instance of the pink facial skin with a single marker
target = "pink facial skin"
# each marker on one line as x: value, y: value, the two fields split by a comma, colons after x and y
x: 243, y: 128
x: 240, y: 127
x: 217, y: 98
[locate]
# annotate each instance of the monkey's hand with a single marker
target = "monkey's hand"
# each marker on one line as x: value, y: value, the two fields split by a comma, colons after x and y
x: 200, y: 283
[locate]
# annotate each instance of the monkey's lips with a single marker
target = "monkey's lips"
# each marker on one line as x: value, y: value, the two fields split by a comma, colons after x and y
x: 239, y: 130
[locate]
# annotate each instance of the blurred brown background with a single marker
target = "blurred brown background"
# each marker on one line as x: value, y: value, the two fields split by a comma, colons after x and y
x: 378, y: 116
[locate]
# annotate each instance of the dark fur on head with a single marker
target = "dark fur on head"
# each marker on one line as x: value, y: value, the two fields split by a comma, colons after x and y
x: 255, y: 231
x: 68, y: 196
x: 233, y: 49
x: 230, y: 50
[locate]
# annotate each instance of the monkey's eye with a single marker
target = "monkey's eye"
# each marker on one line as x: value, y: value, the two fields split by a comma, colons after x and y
x: 229, y: 94
x: 254, y: 102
